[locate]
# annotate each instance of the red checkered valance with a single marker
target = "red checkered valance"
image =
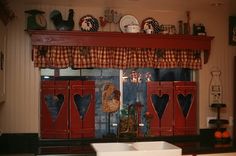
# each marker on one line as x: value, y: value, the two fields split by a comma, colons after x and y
x: 105, y: 57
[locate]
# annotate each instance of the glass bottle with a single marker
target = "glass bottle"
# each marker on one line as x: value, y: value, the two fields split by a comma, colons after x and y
x: 180, y: 27
x: 215, y: 88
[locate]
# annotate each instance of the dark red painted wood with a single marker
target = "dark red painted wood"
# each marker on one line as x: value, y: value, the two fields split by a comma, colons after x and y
x: 167, y: 118
x: 59, y: 128
x: 116, y: 39
x: 155, y: 123
x: 82, y: 128
x: 182, y: 125
x: 161, y: 126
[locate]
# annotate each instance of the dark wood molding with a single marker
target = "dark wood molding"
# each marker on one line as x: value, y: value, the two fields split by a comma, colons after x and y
x: 117, y: 39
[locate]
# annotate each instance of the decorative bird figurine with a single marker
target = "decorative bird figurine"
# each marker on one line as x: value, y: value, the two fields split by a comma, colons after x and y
x: 61, y: 24
x: 102, y: 21
x: 89, y: 23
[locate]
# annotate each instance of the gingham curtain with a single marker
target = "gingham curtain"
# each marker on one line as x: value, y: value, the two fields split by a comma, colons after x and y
x: 104, y: 57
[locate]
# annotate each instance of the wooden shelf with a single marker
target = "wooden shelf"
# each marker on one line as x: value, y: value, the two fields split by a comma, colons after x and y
x: 117, y: 39
x: 218, y: 105
x: 218, y: 121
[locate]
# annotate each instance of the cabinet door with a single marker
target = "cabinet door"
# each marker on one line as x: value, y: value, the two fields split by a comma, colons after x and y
x: 82, y: 109
x: 54, y: 109
x: 160, y: 104
x: 185, y: 108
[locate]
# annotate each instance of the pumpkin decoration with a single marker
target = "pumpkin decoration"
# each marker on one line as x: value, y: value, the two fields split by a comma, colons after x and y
x: 218, y: 134
x: 222, y: 136
x: 225, y: 134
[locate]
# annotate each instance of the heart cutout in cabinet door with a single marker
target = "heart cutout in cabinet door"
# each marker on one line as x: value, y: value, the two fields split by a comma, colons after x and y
x: 54, y: 104
x: 82, y: 104
x: 185, y: 102
x: 160, y: 103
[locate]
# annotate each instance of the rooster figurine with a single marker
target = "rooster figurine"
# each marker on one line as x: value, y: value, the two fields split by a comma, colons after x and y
x: 102, y: 21
x: 61, y: 24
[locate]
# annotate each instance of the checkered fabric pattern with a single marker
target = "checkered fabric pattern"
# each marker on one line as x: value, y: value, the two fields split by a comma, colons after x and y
x: 106, y: 57
x: 51, y: 56
x: 178, y: 59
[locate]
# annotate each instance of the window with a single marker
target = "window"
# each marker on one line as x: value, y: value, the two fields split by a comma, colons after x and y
x: 132, y: 82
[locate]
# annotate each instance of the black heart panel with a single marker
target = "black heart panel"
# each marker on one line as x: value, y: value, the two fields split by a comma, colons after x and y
x: 160, y: 103
x: 82, y: 104
x: 185, y: 102
x: 54, y: 103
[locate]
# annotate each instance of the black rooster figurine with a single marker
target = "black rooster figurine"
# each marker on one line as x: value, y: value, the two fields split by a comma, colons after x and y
x: 61, y: 24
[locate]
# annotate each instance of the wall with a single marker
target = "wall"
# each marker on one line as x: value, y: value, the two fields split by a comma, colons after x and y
x: 221, y: 57
x: 20, y: 113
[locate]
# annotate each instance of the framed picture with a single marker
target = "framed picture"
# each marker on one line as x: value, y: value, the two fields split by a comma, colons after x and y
x: 2, y: 78
x: 232, y: 30
x: 1, y: 60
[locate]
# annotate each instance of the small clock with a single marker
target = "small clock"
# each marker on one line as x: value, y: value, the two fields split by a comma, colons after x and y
x: 36, y: 20
x: 40, y: 20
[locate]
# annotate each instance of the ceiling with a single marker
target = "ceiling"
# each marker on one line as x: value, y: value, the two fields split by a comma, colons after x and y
x: 148, y: 4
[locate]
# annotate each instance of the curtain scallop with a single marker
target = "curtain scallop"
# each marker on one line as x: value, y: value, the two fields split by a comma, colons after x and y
x: 121, y: 58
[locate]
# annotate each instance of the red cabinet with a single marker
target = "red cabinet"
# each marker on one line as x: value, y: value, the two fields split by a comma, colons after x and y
x: 82, y: 109
x: 67, y: 109
x: 54, y: 109
x: 185, y: 108
x: 160, y: 104
x: 173, y: 105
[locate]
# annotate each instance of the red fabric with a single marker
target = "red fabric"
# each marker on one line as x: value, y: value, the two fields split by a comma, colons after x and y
x: 105, y: 57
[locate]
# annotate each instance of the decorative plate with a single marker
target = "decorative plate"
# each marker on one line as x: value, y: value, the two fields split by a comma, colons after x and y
x: 150, y: 23
x: 127, y: 20
x: 88, y: 23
